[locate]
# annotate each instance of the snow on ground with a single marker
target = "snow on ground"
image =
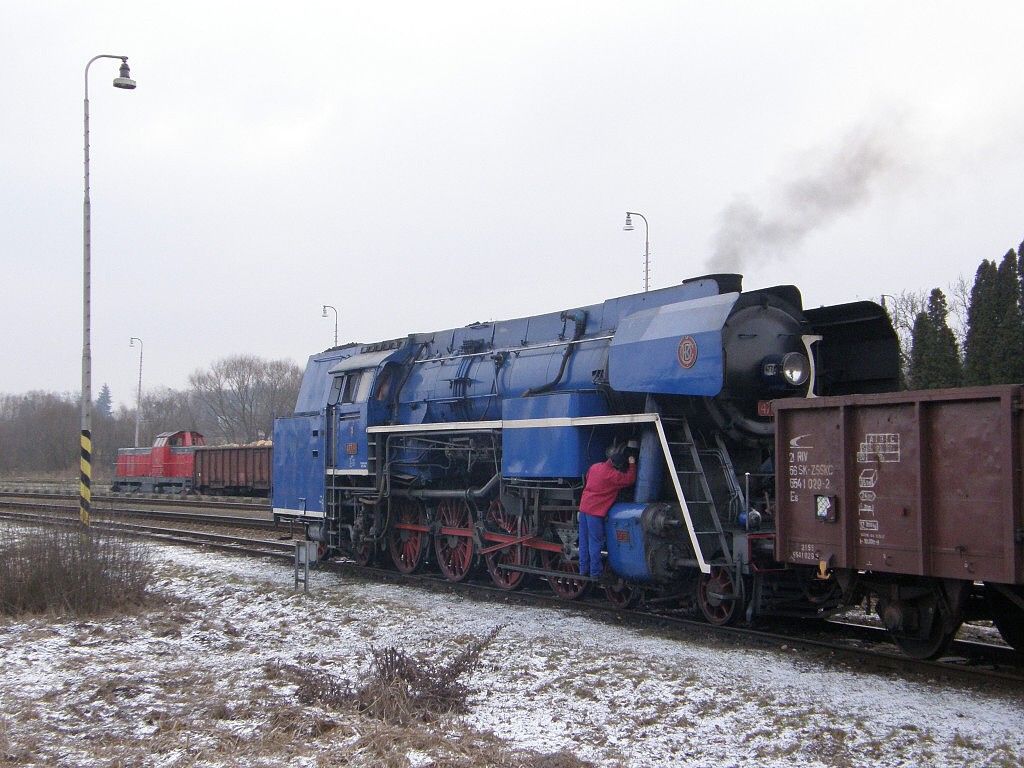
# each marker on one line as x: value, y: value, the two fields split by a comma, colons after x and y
x: 190, y: 681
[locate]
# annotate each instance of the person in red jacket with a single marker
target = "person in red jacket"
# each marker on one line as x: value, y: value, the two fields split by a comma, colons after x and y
x: 604, y: 481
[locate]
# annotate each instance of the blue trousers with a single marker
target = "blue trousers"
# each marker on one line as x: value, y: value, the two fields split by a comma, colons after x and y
x: 591, y: 544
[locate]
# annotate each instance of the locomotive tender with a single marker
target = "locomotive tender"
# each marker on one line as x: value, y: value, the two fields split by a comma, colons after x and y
x: 470, y: 444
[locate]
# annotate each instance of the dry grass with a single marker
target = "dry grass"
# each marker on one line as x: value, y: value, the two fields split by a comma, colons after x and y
x: 187, y: 682
x: 71, y: 571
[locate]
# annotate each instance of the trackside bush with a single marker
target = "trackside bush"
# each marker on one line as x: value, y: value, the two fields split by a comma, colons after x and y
x: 79, y: 571
x: 399, y: 688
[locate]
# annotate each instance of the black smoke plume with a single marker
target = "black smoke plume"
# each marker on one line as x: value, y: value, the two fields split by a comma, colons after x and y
x: 815, y: 197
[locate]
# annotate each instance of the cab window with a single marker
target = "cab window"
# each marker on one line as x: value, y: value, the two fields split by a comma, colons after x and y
x: 363, y: 391
x: 348, y: 393
x: 336, y: 386
x: 351, y: 388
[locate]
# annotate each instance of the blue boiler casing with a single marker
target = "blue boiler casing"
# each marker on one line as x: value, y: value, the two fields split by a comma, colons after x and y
x: 552, y: 451
x: 466, y: 374
x: 627, y: 545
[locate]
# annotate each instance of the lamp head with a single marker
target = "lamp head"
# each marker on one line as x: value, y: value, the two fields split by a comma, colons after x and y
x: 324, y: 313
x: 124, y: 80
x: 628, y: 226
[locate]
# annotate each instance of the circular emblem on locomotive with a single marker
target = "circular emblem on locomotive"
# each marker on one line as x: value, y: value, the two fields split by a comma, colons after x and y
x: 687, y: 352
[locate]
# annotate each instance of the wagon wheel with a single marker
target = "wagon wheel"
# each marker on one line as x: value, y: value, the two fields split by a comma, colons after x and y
x: 407, y: 534
x: 926, y: 627
x: 563, y: 586
x: 622, y: 594
x: 454, y: 544
x: 511, y: 525
x: 720, y: 598
x: 1007, y: 615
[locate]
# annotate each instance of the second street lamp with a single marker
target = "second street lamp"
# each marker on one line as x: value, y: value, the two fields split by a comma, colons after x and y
x: 124, y: 81
x: 138, y: 397
x: 326, y: 307
x: 647, y: 246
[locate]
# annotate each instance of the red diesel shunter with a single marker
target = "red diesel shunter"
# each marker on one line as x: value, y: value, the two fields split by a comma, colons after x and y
x: 166, y: 467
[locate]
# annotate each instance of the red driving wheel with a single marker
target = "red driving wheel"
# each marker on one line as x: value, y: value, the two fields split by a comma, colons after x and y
x: 506, y: 524
x: 407, y: 534
x: 453, y: 544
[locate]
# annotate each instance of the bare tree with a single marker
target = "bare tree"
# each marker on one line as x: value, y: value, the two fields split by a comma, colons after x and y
x: 902, y: 311
x: 959, y: 297
x: 239, y: 396
x: 281, y: 387
x: 167, y: 410
x: 36, y: 431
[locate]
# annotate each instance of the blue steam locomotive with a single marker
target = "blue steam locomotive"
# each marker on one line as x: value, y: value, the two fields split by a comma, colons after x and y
x: 467, y: 447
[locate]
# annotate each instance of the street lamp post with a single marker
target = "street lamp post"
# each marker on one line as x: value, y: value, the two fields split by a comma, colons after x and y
x: 326, y: 307
x: 123, y: 80
x: 138, y: 397
x: 628, y: 227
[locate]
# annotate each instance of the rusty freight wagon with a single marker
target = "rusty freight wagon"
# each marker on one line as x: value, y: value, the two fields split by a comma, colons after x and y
x: 912, y: 499
x: 234, y: 470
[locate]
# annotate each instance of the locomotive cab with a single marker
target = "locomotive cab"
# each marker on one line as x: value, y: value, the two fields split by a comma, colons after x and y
x: 360, y: 397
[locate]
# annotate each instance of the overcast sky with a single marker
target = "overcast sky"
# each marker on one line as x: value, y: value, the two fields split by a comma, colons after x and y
x: 426, y: 165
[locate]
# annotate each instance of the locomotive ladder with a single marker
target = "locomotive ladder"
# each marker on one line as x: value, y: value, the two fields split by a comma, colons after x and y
x: 343, y: 501
x: 685, y: 460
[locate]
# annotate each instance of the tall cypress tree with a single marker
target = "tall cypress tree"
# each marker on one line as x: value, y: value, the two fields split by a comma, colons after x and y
x: 947, y: 353
x: 1007, y: 365
x: 982, y: 314
x: 1020, y: 294
x: 934, y: 359
x: 920, y: 352
x: 1020, y: 276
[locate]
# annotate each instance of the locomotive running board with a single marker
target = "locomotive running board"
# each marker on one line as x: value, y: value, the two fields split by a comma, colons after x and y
x: 570, y: 421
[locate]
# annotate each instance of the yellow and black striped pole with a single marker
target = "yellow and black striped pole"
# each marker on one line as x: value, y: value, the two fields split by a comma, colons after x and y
x: 124, y: 81
x: 85, y: 482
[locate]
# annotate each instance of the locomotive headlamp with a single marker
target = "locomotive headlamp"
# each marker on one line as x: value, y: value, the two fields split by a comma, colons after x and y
x: 789, y: 370
x: 794, y: 368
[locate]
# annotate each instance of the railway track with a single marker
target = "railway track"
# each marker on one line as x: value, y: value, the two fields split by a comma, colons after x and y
x: 831, y: 639
x: 225, y: 542
x: 110, y: 506
x: 205, y: 502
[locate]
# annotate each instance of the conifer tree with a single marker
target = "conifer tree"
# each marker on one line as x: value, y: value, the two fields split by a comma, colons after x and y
x: 1020, y: 275
x: 935, y: 358
x: 920, y: 352
x: 104, y: 403
x: 982, y: 322
x: 1007, y: 365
